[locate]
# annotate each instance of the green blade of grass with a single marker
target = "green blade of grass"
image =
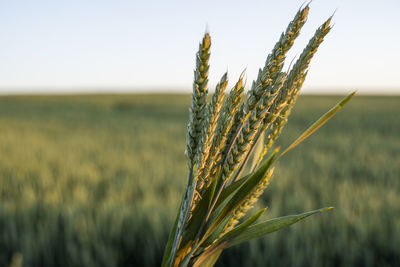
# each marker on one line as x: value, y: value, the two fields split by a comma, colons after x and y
x: 270, y: 226
x: 321, y: 121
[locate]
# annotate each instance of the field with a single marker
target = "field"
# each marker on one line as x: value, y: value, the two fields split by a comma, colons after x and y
x: 95, y: 180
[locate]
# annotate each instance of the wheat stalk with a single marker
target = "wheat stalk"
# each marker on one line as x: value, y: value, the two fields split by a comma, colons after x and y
x: 225, y: 121
x: 209, y: 131
x: 197, y: 112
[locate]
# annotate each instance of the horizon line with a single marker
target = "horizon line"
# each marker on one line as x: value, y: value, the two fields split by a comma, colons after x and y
x: 178, y: 90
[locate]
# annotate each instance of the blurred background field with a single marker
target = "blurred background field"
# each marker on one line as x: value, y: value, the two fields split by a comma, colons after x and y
x: 95, y: 180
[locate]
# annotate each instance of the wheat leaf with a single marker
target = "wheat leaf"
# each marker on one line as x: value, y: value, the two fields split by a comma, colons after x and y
x: 270, y: 226
x: 321, y: 121
x: 223, y: 241
x: 243, y: 226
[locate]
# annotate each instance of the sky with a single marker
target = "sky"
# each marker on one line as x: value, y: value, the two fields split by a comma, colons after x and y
x: 147, y: 46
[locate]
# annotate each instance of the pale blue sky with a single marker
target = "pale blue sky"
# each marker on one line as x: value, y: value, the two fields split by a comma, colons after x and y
x: 92, y: 46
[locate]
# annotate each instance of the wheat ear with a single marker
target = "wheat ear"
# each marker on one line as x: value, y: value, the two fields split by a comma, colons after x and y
x: 246, y: 137
x: 274, y: 63
x: 225, y: 122
x: 197, y: 112
x: 229, y: 108
x: 264, y: 84
x: 209, y: 131
x: 275, y: 129
x: 289, y: 93
x: 196, y: 121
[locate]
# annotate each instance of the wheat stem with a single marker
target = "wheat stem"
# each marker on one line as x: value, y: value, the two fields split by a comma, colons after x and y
x: 196, y: 118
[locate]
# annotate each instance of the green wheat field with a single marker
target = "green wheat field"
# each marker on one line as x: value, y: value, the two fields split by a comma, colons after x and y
x: 95, y: 180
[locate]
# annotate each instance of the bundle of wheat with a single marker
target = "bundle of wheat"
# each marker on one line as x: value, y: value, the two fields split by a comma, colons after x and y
x: 222, y: 135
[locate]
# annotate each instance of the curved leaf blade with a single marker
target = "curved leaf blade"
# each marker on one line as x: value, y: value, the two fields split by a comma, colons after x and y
x: 321, y: 121
x: 270, y: 226
x: 243, y: 226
